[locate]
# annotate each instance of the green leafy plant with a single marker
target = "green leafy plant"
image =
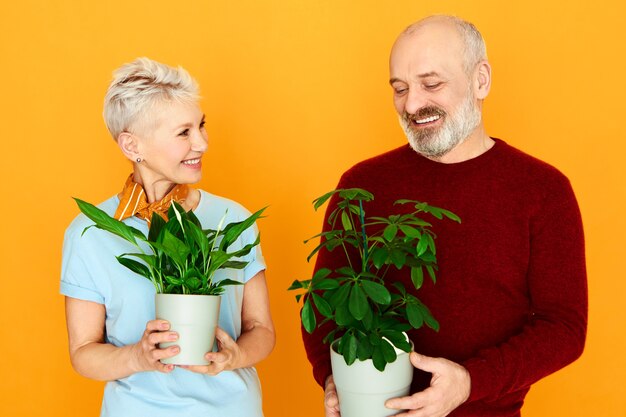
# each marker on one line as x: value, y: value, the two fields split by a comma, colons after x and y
x: 371, y: 315
x: 178, y: 256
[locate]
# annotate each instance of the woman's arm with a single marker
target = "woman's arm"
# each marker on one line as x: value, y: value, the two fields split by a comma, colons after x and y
x: 93, y: 358
x: 257, y: 333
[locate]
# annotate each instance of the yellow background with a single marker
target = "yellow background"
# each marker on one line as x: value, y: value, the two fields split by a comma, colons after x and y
x: 295, y: 92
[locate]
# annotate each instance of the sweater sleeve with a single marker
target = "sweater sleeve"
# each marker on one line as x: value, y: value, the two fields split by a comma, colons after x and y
x: 557, y: 286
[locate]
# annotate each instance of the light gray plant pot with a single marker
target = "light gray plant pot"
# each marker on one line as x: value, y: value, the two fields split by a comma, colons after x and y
x: 194, y: 318
x: 363, y: 389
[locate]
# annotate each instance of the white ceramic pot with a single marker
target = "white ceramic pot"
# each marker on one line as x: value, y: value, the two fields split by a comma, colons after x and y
x: 194, y: 318
x: 363, y: 389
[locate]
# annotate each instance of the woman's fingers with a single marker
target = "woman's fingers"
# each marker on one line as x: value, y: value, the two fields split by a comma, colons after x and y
x: 150, y: 355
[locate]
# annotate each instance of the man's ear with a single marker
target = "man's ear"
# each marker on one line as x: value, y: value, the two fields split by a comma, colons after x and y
x: 482, y: 80
x: 129, y: 146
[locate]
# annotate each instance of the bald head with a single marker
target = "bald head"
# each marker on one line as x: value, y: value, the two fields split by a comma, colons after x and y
x: 472, y: 42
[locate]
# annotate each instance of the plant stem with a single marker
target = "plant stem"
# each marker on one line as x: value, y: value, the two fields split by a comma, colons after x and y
x: 364, y: 237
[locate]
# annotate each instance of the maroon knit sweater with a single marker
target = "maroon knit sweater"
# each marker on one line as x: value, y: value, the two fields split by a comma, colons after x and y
x: 511, y: 292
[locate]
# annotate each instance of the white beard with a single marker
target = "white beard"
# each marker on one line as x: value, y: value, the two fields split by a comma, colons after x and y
x: 456, y: 128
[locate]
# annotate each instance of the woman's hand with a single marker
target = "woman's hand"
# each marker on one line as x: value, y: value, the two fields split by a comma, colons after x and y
x: 257, y: 337
x: 228, y: 356
x: 146, y: 353
x: 94, y: 358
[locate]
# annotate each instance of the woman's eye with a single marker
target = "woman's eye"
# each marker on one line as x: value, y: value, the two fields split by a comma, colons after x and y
x: 202, y: 123
x: 184, y: 133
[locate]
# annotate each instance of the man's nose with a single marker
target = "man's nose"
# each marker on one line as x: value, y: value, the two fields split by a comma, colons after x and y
x: 415, y: 100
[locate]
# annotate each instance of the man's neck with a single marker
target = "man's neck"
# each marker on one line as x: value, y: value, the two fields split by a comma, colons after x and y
x: 475, y: 145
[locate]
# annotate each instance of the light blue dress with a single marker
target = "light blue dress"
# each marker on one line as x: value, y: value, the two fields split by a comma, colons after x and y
x: 91, y: 272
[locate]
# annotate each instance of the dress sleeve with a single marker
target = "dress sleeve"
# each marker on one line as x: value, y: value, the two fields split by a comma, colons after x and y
x: 77, y: 280
x: 256, y: 262
x: 557, y: 285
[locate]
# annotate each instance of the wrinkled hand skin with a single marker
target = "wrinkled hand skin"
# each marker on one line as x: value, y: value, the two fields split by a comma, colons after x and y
x: 331, y: 401
x: 146, y: 352
x: 449, y: 387
x: 226, y: 358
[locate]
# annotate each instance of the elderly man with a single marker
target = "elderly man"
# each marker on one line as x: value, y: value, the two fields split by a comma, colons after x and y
x: 511, y: 295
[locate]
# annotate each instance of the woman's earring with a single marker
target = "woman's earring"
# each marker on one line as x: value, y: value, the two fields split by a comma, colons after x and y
x: 138, y: 160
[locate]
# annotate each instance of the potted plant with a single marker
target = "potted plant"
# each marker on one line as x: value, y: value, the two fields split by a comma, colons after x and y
x: 370, y: 317
x: 180, y: 258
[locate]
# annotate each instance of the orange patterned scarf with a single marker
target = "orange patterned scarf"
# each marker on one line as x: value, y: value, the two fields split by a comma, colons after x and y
x: 133, y: 201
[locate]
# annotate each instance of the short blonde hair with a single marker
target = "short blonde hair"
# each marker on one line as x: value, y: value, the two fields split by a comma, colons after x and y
x: 137, y: 86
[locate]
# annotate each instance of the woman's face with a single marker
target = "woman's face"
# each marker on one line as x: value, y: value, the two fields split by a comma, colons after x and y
x: 172, y: 149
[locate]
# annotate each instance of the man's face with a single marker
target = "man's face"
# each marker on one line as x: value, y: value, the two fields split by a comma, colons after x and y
x: 433, y: 94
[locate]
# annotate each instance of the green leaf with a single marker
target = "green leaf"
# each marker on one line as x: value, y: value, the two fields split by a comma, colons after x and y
x: 322, y: 306
x: 417, y: 277
x: 319, y: 201
x: 232, y: 231
x: 175, y: 248
x: 342, y: 315
x: 105, y: 222
x: 358, y: 194
x: 364, y: 349
x: 308, y: 316
x: 451, y: 215
x: 400, y: 287
x: 398, y: 258
x: 389, y: 353
x: 321, y: 273
x: 358, y: 302
x: 422, y: 246
x: 346, y: 271
x: 431, y: 243
x: 295, y: 285
x: 345, y: 221
x: 379, y: 257
x: 325, y: 284
x: 235, y: 264
x: 398, y: 339
x: 378, y: 358
x: 339, y: 298
x: 149, y: 259
x: 376, y: 292
x: 350, y: 348
x: 136, y: 267
x: 199, y: 238
x: 410, y: 231
x: 226, y: 281
x: 156, y: 225
x: 414, y: 316
x: 431, y: 273
x: 390, y: 232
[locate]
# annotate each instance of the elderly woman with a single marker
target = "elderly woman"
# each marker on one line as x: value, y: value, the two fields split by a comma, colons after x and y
x: 152, y: 112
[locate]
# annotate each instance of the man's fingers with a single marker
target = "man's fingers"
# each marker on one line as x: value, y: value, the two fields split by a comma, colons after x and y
x: 425, y: 363
x: 331, y: 399
x: 411, y: 402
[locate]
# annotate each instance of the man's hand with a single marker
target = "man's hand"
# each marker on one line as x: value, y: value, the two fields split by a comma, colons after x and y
x: 331, y: 401
x: 449, y: 387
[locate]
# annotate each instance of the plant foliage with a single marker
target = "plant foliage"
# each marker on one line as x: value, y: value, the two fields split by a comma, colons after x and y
x: 370, y: 315
x: 183, y: 257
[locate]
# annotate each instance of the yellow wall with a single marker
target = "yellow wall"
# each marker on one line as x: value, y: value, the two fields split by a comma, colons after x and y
x: 295, y: 93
